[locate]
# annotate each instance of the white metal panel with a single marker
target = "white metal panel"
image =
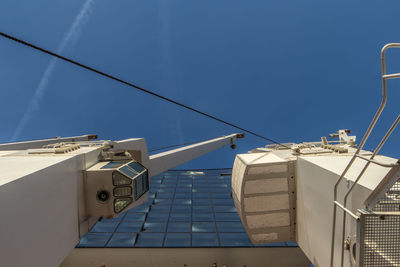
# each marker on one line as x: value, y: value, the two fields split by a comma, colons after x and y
x: 266, y: 203
x: 266, y: 186
x: 316, y: 177
x: 167, y: 160
x: 39, y: 223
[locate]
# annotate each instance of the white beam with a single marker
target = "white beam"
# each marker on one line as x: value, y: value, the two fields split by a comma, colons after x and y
x: 40, y: 143
x: 167, y: 160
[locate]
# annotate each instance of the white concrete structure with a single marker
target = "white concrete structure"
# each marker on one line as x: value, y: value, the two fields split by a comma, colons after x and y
x: 286, y: 194
x: 47, y: 185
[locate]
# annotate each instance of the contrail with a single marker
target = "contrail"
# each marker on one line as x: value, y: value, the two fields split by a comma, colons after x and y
x: 170, y: 70
x: 69, y: 39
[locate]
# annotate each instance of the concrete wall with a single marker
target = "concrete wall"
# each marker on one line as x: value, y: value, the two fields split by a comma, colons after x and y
x: 194, y: 257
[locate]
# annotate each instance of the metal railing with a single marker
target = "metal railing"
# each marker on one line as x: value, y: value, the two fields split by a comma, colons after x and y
x: 369, y: 160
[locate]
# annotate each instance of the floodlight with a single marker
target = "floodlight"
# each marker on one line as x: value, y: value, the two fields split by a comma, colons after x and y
x: 115, y: 186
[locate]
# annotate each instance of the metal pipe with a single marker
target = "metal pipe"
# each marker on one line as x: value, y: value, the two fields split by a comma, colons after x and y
x: 346, y: 210
x: 387, y: 165
x: 366, y: 135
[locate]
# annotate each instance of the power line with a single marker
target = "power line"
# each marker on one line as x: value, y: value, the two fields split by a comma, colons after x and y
x: 177, y: 145
x: 133, y: 85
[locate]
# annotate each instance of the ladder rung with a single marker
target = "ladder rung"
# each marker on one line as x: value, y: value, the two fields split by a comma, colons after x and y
x: 391, y: 76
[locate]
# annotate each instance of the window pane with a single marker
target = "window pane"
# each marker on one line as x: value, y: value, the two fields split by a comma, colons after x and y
x: 202, y: 202
x: 203, y: 227
x: 179, y: 217
x: 161, y: 208
x: 150, y: 240
x: 181, y: 209
x: 133, y: 216
x: 183, y: 190
x: 230, y: 208
x: 203, y: 217
x: 182, y: 202
x: 233, y: 227
x: 140, y: 208
x: 204, y: 240
x: 130, y: 227
x: 200, y: 190
x: 154, y: 226
x: 234, y: 240
x: 94, y: 240
x: 157, y: 217
x: 128, y: 171
x: 164, y: 195
x: 160, y: 201
x: 221, y: 195
x: 136, y: 166
x: 223, y: 201
x: 202, y: 209
x: 104, y: 227
x: 166, y: 190
x: 226, y: 216
x: 200, y: 196
x: 177, y: 240
x: 122, y: 240
x: 183, y: 195
x: 179, y: 227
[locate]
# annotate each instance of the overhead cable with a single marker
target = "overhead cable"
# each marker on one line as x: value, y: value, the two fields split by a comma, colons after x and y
x: 133, y: 85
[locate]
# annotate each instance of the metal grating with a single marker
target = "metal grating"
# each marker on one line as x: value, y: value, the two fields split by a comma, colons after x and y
x: 391, y: 199
x: 380, y: 240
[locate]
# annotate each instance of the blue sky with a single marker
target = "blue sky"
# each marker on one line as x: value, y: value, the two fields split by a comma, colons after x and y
x: 289, y: 70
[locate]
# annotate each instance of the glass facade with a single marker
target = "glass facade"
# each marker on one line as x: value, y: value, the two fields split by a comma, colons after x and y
x: 184, y: 209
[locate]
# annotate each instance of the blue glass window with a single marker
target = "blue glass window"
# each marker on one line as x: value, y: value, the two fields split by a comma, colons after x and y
x: 181, y: 209
x: 154, y: 227
x: 160, y: 201
x: 201, y: 202
x: 104, y: 227
x: 140, y: 208
x: 234, y: 240
x: 219, y: 189
x: 226, y: 216
x: 230, y: 227
x: 182, y: 202
x: 177, y: 240
x: 135, y: 216
x: 200, y: 195
x: 204, y: 240
x: 161, y: 207
x: 157, y: 217
x: 291, y: 244
x: 202, y: 209
x: 165, y: 195
x: 200, y: 190
x: 122, y: 240
x: 183, y: 195
x: 225, y: 209
x: 94, y: 240
x: 183, y: 190
x: 203, y: 227
x: 150, y: 240
x: 221, y: 195
x: 203, y: 217
x: 223, y: 201
x: 179, y: 217
x: 170, y: 189
x: 129, y: 227
x: 179, y: 227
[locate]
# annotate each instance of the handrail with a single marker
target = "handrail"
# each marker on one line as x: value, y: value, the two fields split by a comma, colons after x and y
x: 378, y: 148
x: 366, y: 135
